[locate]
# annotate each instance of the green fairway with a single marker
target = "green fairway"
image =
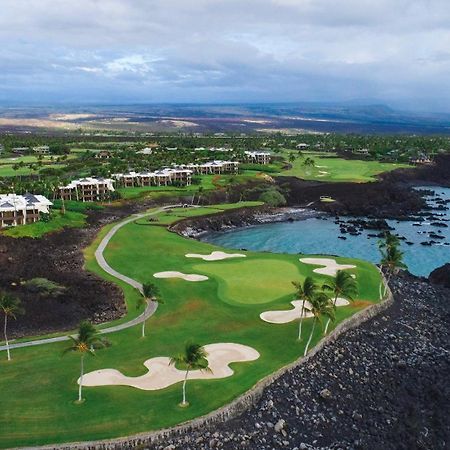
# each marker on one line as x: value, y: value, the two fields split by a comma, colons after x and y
x: 328, y: 167
x: 39, y: 385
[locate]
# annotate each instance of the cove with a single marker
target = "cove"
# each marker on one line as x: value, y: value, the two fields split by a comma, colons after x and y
x: 320, y: 235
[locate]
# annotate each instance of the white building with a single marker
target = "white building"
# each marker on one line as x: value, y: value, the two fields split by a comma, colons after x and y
x: 42, y: 150
x: 213, y: 167
x: 257, y: 157
x: 162, y: 177
x: 145, y: 151
x: 22, y: 209
x: 87, y: 189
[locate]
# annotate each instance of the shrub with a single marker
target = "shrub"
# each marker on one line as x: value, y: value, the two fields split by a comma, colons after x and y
x: 44, y: 287
x: 272, y: 197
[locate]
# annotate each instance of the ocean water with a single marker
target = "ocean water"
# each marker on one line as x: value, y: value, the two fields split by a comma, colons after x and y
x: 320, y: 236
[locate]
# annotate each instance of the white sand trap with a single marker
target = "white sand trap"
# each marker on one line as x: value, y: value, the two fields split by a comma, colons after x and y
x: 183, y: 276
x: 161, y: 374
x: 330, y: 265
x: 322, y: 167
x: 215, y: 256
x: 286, y: 316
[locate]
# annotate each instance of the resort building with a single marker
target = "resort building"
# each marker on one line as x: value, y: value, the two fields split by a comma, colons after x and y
x: 87, y: 189
x: 103, y: 154
x: 42, y: 150
x: 145, y: 151
x: 22, y: 209
x: 20, y: 150
x: 258, y: 157
x: 163, y: 177
x: 213, y: 167
x: 421, y: 159
x: 302, y: 146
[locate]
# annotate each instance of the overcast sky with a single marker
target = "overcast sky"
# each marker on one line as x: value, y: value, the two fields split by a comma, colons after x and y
x: 391, y: 51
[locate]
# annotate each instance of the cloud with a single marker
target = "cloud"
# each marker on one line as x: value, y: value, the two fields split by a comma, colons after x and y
x: 226, y: 50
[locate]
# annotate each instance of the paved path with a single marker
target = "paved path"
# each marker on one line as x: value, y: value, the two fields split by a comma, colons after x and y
x: 151, y: 308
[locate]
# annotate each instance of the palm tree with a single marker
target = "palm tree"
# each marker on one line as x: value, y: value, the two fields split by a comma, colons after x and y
x: 390, y: 240
x: 193, y: 358
x: 304, y: 292
x: 320, y: 306
x: 85, y: 343
x: 11, y: 307
x: 309, y: 162
x: 150, y: 292
x: 199, y: 192
x: 342, y: 285
x: 392, y: 259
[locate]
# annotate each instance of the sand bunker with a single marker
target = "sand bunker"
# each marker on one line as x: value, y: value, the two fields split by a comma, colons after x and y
x: 215, y: 256
x: 161, y: 374
x: 286, y: 316
x: 183, y: 276
x: 331, y: 267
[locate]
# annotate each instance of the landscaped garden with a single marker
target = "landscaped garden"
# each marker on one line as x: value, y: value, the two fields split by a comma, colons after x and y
x: 39, y: 385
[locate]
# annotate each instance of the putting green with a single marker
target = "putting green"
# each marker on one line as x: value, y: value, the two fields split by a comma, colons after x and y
x: 252, y: 281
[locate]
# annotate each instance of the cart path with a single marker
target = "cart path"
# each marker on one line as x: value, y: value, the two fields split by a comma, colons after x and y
x: 149, y: 311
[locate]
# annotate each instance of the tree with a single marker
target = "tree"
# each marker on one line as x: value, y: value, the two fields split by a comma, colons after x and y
x: 391, y: 256
x: 85, y: 343
x: 11, y: 307
x: 150, y: 293
x: 272, y: 197
x: 390, y: 240
x: 304, y: 292
x: 342, y: 285
x: 320, y: 306
x: 309, y: 162
x: 193, y: 358
x: 292, y: 157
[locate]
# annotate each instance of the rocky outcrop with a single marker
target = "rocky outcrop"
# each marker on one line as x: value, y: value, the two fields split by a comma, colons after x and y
x: 235, y: 218
x: 377, y: 199
x: 441, y: 275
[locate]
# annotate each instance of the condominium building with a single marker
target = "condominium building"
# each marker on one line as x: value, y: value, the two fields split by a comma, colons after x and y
x: 258, y: 157
x: 87, y: 189
x: 213, y: 167
x: 22, y: 209
x: 162, y: 177
x: 42, y: 150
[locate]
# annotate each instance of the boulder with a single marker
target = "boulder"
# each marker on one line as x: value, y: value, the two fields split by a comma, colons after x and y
x: 441, y: 275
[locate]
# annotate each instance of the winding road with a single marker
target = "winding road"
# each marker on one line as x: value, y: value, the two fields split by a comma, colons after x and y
x: 149, y: 311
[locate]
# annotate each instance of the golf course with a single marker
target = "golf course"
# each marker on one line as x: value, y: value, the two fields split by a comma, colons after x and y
x: 330, y: 167
x: 219, y: 306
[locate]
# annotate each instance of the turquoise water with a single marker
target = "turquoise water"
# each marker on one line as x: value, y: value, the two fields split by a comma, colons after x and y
x: 318, y: 236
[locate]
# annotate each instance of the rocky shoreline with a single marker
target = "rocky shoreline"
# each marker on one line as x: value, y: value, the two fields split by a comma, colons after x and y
x: 383, y: 385
x: 238, y: 218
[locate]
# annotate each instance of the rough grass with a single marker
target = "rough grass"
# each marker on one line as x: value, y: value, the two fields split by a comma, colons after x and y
x: 57, y: 222
x: 38, y: 387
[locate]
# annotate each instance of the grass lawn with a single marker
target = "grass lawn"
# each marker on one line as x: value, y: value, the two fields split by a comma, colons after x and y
x: 38, y: 387
x: 6, y: 170
x: 57, y: 222
x: 332, y: 168
x: 207, y: 182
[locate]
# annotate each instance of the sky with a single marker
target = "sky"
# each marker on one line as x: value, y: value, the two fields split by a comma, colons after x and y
x: 395, y: 52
